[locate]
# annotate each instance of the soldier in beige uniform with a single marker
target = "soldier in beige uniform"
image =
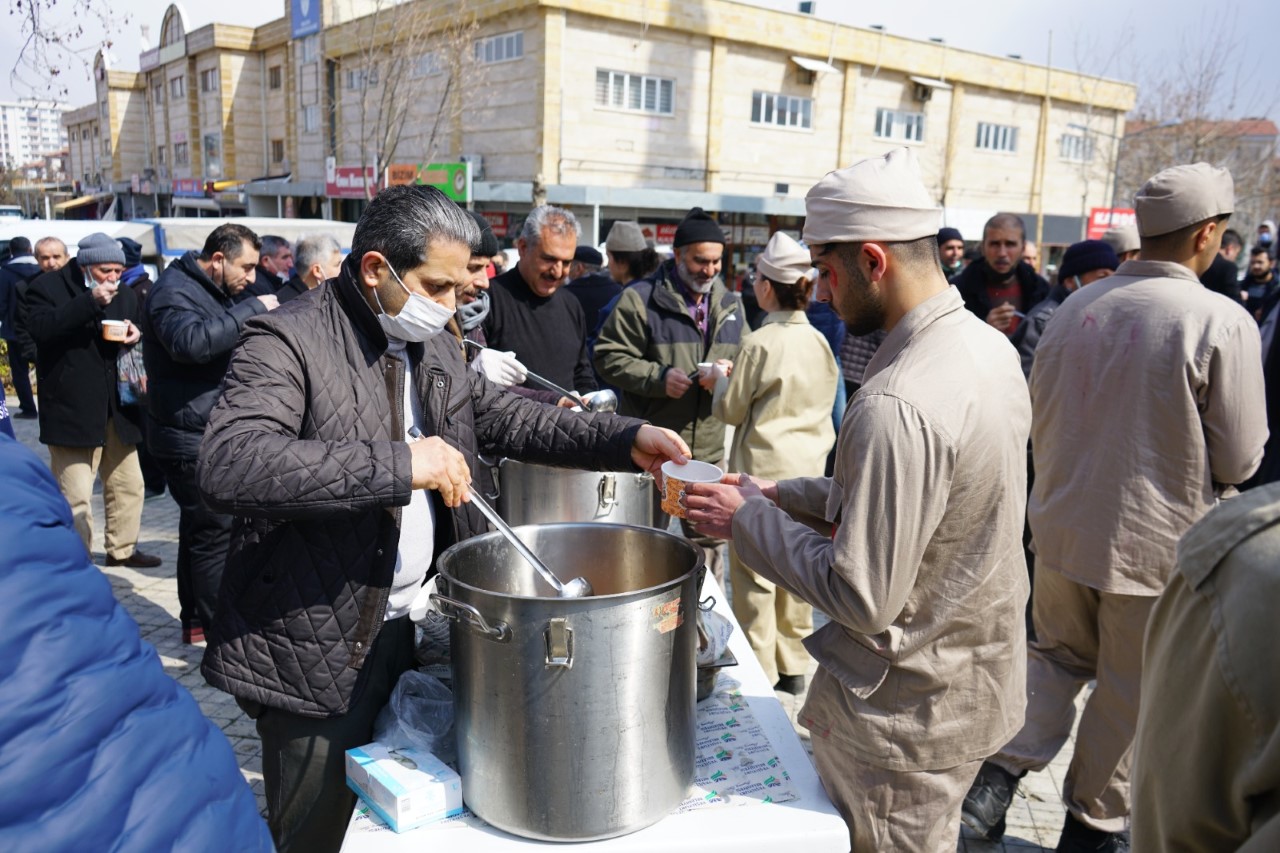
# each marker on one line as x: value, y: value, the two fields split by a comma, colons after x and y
x: 1148, y: 400
x: 914, y: 547
x: 1206, y: 767
x: 779, y: 402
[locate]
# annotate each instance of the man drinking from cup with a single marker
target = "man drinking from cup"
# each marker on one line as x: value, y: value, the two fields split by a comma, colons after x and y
x: 82, y: 420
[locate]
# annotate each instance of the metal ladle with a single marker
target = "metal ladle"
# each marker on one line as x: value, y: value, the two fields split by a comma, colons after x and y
x: 575, y: 588
x: 544, y: 382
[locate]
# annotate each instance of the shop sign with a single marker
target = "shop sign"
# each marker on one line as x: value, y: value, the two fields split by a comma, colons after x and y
x: 1103, y: 218
x: 188, y: 187
x: 500, y: 222
x: 661, y: 234
x: 349, y: 181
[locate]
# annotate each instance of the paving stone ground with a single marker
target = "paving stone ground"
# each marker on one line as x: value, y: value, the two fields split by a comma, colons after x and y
x: 151, y: 597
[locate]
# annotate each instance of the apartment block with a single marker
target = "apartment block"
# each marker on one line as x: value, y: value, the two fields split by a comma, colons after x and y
x: 617, y: 110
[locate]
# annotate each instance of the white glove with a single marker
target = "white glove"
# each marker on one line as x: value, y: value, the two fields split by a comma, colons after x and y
x: 499, y: 367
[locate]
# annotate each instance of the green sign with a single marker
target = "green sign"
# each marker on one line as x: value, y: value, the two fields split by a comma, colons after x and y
x: 452, y: 179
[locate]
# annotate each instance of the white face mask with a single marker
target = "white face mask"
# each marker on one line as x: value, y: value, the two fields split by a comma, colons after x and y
x: 420, y: 319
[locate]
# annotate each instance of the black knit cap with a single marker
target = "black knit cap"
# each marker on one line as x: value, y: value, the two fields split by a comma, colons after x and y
x: 488, y: 245
x: 698, y: 227
x: 132, y: 251
x: 947, y: 234
x: 1086, y: 256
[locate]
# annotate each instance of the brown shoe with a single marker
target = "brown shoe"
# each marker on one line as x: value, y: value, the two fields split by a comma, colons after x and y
x: 136, y: 560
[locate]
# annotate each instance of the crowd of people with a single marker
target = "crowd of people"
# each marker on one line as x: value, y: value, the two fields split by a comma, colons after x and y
x: 990, y: 522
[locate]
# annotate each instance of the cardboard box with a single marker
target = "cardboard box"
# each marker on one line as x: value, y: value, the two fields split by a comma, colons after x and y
x: 407, y: 787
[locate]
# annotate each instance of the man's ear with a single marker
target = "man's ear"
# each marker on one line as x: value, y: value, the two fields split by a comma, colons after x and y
x: 371, y: 266
x: 876, y: 259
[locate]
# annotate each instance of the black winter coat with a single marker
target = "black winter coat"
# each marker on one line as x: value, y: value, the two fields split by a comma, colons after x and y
x: 972, y: 284
x: 75, y: 367
x: 306, y: 447
x: 190, y: 326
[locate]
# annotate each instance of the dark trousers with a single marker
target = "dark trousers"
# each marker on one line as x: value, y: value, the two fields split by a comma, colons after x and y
x: 303, y: 758
x: 152, y: 473
x: 21, y: 370
x: 203, y: 538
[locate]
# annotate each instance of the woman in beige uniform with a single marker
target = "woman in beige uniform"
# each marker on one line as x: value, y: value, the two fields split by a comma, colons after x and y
x: 779, y: 400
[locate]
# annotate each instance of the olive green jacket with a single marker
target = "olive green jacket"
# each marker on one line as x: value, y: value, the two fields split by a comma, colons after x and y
x: 651, y: 331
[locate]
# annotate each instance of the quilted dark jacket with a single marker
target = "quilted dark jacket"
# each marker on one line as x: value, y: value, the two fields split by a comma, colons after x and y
x: 306, y: 448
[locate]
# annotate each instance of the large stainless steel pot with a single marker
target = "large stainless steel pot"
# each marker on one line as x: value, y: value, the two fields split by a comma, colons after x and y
x: 574, y: 717
x: 540, y: 494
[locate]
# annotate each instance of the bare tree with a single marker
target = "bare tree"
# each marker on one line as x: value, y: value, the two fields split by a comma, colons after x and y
x: 56, y: 39
x: 1205, y: 111
x: 409, y: 74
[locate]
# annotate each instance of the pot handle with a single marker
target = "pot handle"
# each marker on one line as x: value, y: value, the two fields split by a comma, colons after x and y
x: 559, y: 638
x: 469, y: 616
x: 608, y: 494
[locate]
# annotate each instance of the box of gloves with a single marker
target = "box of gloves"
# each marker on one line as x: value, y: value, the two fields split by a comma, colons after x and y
x: 407, y: 787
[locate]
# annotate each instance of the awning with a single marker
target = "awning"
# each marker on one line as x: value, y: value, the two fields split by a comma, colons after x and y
x: 817, y: 66
x: 931, y: 83
x: 197, y: 204
x: 80, y: 202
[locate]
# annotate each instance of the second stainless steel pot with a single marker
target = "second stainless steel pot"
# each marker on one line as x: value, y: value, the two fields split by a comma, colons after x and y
x: 540, y: 494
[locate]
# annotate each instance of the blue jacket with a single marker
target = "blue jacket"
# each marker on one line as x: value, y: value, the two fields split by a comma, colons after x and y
x: 99, y: 748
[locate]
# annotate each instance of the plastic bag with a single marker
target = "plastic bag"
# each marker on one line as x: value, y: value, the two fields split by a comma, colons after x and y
x: 131, y: 376
x: 419, y: 714
x: 714, y: 632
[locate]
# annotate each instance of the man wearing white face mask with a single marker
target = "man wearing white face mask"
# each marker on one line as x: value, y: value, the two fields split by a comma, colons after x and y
x: 339, y: 514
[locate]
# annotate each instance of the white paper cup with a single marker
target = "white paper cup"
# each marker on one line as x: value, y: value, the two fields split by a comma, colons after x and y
x: 705, y: 367
x: 675, y: 477
x: 114, y: 330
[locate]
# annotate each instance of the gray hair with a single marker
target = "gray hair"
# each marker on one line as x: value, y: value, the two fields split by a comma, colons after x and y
x: 313, y: 249
x: 272, y: 244
x: 402, y: 221
x: 556, y: 219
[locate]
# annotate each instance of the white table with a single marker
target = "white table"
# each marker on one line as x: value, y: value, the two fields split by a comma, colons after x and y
x: 811, y: 819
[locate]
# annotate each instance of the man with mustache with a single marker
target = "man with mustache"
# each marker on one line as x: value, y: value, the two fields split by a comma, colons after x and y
x: 1001, y: 287
x: 529, y: 316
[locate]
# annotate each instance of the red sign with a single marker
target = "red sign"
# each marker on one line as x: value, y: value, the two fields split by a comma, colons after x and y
x: 346, y: 182
x: 1102, y: 218
x: 658, y: 233
x: 188, y: 187
x: 500, y: 222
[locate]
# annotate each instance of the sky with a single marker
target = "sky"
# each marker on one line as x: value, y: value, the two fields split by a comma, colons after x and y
x: 1135, y: 40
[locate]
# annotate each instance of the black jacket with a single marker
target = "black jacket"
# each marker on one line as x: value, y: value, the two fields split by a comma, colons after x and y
x: 291, y: 289
x: 306, y: 448
x: 547, y: 333
x: 189, y: 329
x: 13, y: 283
x: 1223, y: 277
x: 972, y: 284
x: 75, y: 367
x: 594, y: 291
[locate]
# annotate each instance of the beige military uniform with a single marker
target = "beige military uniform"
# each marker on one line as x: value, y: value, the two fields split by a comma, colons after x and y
x: 1207, y: 752
x: 914, y: 548
x: 1147, y: 392
x: 779, y: 400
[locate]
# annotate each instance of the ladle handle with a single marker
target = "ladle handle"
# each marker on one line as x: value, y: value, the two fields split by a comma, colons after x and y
x: 541, y: 380
x: 505, y: 529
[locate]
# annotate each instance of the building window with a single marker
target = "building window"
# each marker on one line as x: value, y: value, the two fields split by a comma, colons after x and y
x: 180, y: 155
x: 997, y: 137
x: 73, y: 136
x: 503, y: 48
x: 427, y: 65
x: 781, y: 110
x: 277, y: 151
x: 635, y: 92
x: 899, y: 124
x: 177, y: 87
x: 1077, y: 148
x: 209, y: 80
x: 157, y: 93
x: 275, y: 77
x: 361, y: 78
x: 310, y: 48
x: 311, y: 119
x: 106, y: 146
x: 160, y: 156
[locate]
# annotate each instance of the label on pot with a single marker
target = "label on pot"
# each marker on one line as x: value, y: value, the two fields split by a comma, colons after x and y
x: 667, y: 617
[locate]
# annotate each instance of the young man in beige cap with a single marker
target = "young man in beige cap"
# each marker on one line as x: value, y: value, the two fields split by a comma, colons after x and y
x: 914, y: 547
x: 1124, y: 240
x: 1148, y: 401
